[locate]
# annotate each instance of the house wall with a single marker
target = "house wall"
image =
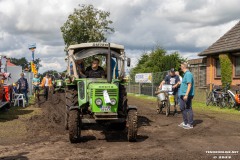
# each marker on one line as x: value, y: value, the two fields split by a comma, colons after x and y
x: 211, y: 72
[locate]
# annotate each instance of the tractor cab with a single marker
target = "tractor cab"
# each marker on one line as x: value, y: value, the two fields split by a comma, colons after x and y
x: 95, y: 90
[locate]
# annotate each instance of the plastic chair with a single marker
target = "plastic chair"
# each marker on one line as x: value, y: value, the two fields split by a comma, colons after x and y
x: 17, y: 98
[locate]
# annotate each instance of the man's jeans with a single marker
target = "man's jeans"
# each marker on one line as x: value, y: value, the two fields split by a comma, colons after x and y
x: 46, y: 89
x: 24, y: 92
x: 186, y: 108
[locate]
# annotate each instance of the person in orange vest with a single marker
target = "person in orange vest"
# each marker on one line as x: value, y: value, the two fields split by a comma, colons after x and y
x: 46, y: 85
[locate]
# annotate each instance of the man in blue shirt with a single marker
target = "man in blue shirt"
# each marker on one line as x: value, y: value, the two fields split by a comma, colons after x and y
x: 23, y: 86
x: 173, y: 80
x: 186, y: 93
x: 36, y: 83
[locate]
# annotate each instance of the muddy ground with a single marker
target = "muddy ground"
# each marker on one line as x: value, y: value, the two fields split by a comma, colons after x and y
x: 159, y: 137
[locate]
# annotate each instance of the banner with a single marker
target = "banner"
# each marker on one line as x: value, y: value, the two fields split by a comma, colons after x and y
x: 143, y: 78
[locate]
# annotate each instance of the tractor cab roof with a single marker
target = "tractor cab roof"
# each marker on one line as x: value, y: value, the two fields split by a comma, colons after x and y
x: 84, y: 50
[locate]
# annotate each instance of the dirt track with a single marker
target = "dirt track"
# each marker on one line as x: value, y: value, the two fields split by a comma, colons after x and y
x: 159, y: 137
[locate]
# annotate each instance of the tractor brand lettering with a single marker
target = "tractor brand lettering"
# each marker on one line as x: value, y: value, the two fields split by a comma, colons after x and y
x: 100, y: 45
x: 105, y: 86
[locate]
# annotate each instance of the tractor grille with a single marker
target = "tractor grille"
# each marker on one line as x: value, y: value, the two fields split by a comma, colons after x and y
x: 99, y: 92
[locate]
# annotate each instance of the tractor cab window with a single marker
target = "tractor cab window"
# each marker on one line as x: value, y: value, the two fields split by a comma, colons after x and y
x: 114, y: 68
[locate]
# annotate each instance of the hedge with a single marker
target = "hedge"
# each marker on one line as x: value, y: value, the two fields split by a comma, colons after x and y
x: 226, y: 69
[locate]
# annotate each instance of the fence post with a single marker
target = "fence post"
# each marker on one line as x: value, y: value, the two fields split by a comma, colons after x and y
x: 139, y: 88
x: 129, y: 87
x: 152, y: 89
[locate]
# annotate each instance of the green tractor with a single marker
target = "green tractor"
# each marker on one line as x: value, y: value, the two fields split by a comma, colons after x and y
x: 102, y: 99
x: 58, y: 87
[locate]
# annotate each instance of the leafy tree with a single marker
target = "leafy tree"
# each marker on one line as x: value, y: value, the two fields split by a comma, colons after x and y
x: 51, y: 72
x: 86, y: 24
x: 157, y: 61
x: 20, y: 62
x: 25, y: 64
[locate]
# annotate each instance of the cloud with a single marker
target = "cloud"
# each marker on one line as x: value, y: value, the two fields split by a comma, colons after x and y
x: 180, y: 25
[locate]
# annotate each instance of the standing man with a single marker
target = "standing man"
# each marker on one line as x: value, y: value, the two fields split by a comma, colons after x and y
x: 46, y: 84
x: 173, y: 80
x: 23, y: 86
x: 186, y: 94
x: 180, y: 77
x: 36, y: 83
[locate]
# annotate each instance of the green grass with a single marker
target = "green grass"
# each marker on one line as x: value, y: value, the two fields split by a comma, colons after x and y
x: 198, y: 106
x: 12, y: 121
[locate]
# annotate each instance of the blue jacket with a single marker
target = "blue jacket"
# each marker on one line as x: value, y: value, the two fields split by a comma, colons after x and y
x: 23, y: 84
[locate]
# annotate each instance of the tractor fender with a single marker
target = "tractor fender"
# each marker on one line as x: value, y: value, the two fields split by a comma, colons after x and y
x: 132, y: 108
x: 73, y: 108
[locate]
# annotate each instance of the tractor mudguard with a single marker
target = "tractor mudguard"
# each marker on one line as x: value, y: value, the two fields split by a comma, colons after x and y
x: 131, y: 108
x: 73, y: 108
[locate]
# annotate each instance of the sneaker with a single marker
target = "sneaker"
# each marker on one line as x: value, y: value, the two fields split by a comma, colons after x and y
x: 182, y: 125
x: 188, y: 126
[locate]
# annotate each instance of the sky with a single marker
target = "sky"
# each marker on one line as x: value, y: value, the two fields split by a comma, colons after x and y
x: 186, y: 26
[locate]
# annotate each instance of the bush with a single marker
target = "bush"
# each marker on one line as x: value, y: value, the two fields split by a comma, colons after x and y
x: 226, y: 69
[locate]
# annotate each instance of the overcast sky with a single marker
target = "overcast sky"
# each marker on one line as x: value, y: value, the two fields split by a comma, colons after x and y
x: 186, y: 26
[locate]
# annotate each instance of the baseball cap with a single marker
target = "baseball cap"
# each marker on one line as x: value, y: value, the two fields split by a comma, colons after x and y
x: 172, y: 70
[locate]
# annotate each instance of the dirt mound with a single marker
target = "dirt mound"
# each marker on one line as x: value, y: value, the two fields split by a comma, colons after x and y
x: 50, y: 122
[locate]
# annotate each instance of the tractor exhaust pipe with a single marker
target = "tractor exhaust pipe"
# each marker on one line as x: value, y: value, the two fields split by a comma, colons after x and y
x: 109, y: 65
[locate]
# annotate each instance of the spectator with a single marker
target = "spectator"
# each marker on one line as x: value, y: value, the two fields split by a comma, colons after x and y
x: 186, y: 94
x: 180, y: 77
x: 173, y: 80
x: 36, y: 83
x: 15, y: 89
x: 46, y: 84
x: 23, y: 86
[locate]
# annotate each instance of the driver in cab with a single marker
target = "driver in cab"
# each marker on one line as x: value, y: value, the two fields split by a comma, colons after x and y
x: 94, y: 71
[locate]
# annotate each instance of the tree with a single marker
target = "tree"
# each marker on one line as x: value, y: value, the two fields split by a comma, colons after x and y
x: 157, y: 61
x: 86, y: 24
x: 20, y: 62
x: 25, y: 64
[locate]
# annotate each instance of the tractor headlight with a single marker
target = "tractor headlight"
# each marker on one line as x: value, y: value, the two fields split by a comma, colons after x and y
x: 60, y: 83
x: 113, y: 101
x: 98, y: 102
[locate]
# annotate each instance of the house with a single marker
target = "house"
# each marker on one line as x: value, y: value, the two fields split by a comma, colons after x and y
x: 199, y: 67
x: 9, y: 64
x: 15, y: 72
x: 229, y: 43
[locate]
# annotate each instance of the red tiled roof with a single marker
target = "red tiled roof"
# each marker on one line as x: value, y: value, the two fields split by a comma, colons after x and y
x: 10, y: 64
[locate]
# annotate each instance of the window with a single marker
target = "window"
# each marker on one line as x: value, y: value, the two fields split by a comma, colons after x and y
x: 218, y: 68
x: 237, y: 66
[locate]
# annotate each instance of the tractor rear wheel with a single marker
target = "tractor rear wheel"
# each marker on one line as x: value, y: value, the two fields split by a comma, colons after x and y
x: 74, y: 126
x: 132, y: 121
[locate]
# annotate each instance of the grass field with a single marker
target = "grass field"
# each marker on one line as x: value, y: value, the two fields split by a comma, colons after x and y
x: 201, y: 107
x: 12, y: 120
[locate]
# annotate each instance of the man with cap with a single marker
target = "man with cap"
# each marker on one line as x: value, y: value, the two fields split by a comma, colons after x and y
x: 173, y: 80
x: 23, y: 86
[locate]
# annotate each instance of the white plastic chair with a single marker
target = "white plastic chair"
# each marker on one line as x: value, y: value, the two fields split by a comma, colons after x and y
x: 17, y: 98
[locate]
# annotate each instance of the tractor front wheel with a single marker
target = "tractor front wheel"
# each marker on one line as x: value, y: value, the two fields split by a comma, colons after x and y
x: 132, y: 121
x: 74, y: 126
